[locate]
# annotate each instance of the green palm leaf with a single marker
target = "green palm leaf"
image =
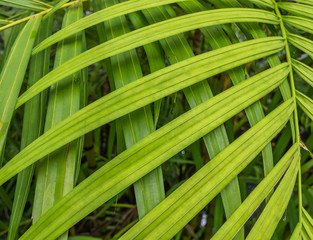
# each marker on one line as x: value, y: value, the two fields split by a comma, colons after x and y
x: 310, y: 2
x: 12, y: 75
x: 26, y: 4
x: 32, y: 128
x: 100, y: 16
x: 305, y: 103
x: 304, y: 71
x: 139, y: 37
x: 266, y: 3
x: 56, y: 173
x: 299, y: 22
x: 301, y: 43
x: 228, y: 126
x: 192, y: 196
x: 55, y: 8
x: 177, y: 49
x: 275, y: 208
x: 181, y: 132
x: 238, y: 219
x: 149, y: 190
x: 81, y: 122
x: 296, y: 233
x: 297, y: 9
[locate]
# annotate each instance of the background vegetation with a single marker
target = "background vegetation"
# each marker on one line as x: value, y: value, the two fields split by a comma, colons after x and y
x: 158, y: 119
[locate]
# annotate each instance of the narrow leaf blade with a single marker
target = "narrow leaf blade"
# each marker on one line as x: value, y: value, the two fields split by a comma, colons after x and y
x: 161, y: 83
x: 12, y: 74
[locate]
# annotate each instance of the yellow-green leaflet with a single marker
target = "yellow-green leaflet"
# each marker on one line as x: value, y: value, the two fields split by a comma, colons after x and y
x: 12, y: 74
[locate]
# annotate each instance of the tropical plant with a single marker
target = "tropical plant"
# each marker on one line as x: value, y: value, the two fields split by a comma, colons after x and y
x: 152, y: 84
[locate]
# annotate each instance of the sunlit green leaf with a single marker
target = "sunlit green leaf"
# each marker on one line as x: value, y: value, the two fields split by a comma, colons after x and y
x: 300, y: 23
x: 238, y: 219
x: 139, y: 37
x: 305, y: 103
x: 303, y: 70
x: 271, y: 215
x: 134, y: 163
x: 12, y: 75
x: 26, y: 4
x: 302, y: 43
x: 197, y: 191
x: 137, y: 95
x: 297, y: 9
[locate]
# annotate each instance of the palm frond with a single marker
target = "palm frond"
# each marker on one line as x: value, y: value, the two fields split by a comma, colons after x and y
x: 203, y: 89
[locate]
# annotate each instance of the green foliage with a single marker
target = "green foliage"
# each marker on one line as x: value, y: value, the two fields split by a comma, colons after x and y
x: 203, y: 107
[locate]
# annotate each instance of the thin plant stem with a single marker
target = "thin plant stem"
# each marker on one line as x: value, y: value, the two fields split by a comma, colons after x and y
x: 293, y: 89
